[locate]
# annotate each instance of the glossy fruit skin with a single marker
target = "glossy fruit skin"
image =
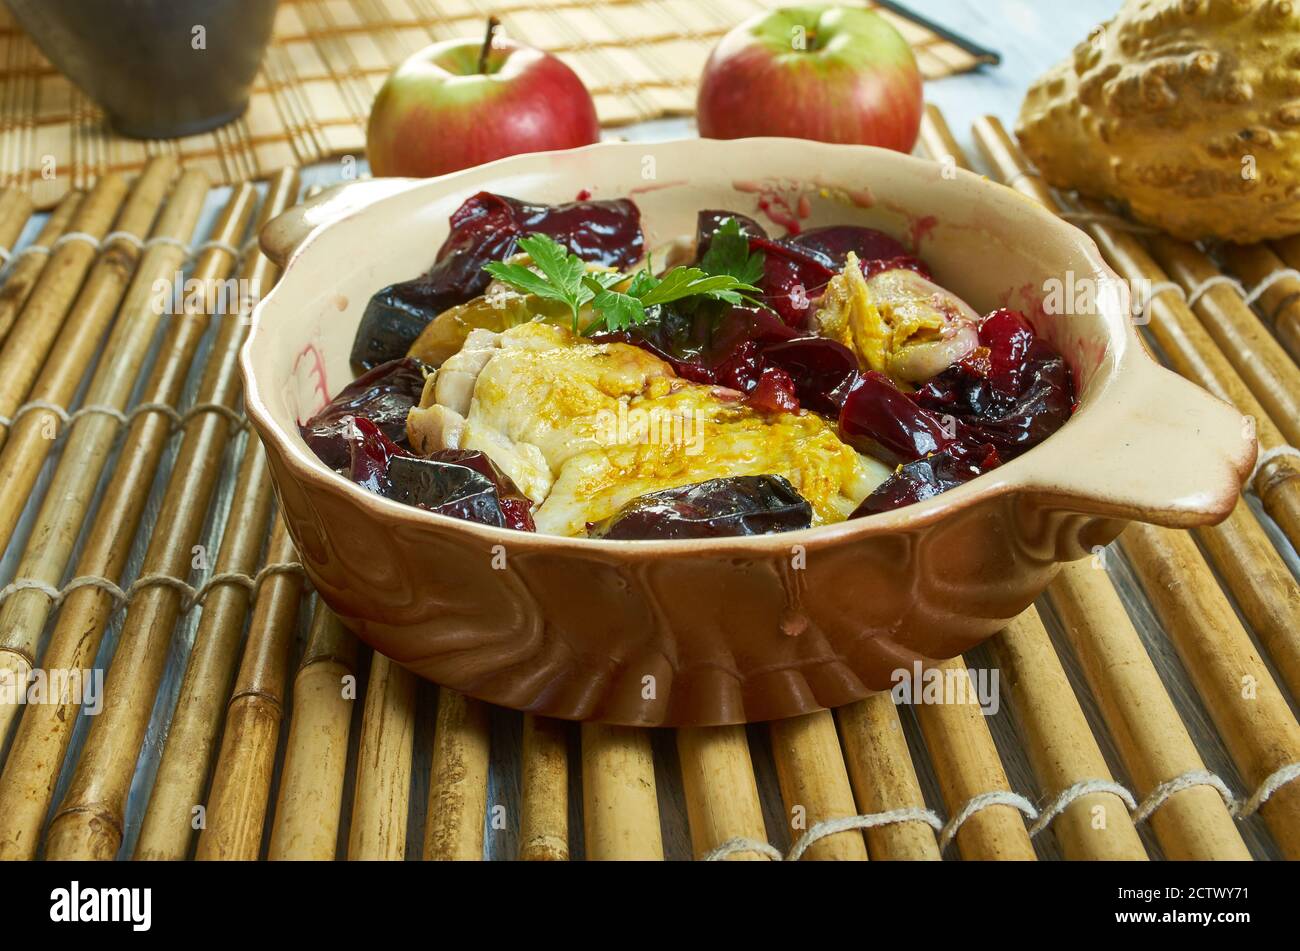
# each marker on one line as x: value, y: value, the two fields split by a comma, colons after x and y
x: 384, y: 395
x: 436, y: 114
x: 856, y: 80
x: 740, y: 505
x: 880, y: 420
x: 462, y: 483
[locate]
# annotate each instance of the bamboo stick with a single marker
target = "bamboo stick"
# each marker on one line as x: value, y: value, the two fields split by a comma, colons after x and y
x: 936, y: 139
x: 1281, y: 302
x: 1256, y: 355
x: 966, y: 763
x: 383, y: 790
x: 29, y: 340
x: 1252, y: 716
x: 25, y: 269
x: 620, y: 808
x: 815, y: 783
x: 721, y: 793
x: 36, y: 755
x: 15, y: 209
x: 241, y: 779
x: 1263, y: 586
x: 192, y: 734
x: 26, y: 789
x: 309, y: 807
x: 880, y: 769
x: 88, y: 823
x: 544, y: 825
x: 81, y: 336
x: 1193, y: 823
x: 1261, y: 736
x: 458, y: 784
x: 1060, y: 745
x: 90, y: 438
x: 1241, y: 549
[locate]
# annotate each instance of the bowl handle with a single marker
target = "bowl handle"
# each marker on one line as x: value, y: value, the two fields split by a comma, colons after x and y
x: 1153, y: 447
x: 284, y: 234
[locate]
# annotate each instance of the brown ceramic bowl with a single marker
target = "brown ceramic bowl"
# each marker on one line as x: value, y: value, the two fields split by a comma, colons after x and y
x: 728, y: 630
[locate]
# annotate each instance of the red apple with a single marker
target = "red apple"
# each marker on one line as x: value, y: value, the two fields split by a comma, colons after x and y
x: 464, y: 102
x: 829, y: 73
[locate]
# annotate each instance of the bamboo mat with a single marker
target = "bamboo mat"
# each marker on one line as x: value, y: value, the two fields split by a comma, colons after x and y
x: 327, y: 58
x: 1146, y: 703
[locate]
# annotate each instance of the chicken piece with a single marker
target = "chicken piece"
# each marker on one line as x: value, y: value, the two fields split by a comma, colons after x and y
x: 897, y: 322
x: 723, y: 437
x: 584, y: 428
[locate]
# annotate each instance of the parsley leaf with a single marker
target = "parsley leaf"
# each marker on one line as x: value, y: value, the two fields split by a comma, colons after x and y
x: 729, y: 254
x: 565, y: 278
x: 561, y: 277
x: 618, y: 311
x: 683, y: 282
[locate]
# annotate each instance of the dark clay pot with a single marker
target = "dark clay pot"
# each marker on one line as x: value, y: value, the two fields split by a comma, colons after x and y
x: 145, y: 62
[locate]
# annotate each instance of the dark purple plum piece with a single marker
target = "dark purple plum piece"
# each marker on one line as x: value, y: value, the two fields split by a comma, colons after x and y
x: 878, y: 419
x: 792, y: 278
x: 823, y: 371
x: 740, y: 505
x: 464, y: 484
x: 383, y: 395
x: 709, y: 221
x: 1012, y: 394
x: 370, y: 454
x: 916, y: 481
x: 1008, y: 339
x: 486, y: 228
x: 831, y: 245
x: 925, y: 478
x: 774, y: 392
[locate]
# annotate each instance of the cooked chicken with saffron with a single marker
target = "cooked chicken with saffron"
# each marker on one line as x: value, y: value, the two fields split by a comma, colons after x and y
x: 541, y: 377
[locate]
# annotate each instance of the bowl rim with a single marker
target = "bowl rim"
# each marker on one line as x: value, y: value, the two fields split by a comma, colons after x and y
x: 1009, y: 478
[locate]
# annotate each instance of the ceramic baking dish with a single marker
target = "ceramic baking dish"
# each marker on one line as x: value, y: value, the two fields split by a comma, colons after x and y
x: 729, y: 630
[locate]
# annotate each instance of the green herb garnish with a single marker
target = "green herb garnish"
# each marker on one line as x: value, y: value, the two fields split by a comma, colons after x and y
x: 729, y: 254
x: 564, y: 277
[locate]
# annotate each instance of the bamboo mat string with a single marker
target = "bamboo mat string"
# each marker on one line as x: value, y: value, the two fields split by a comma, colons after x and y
x: 1085, y: 787
x: 847, y: 823
x: 980, y: 802
x: 1268, y: 455
x: 192, y: 596
x: 1241, y: 808
x: 178, y: 419
x: 1264, y: 286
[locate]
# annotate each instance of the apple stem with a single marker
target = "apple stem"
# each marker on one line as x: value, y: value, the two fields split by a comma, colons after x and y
x: 493, y: 24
